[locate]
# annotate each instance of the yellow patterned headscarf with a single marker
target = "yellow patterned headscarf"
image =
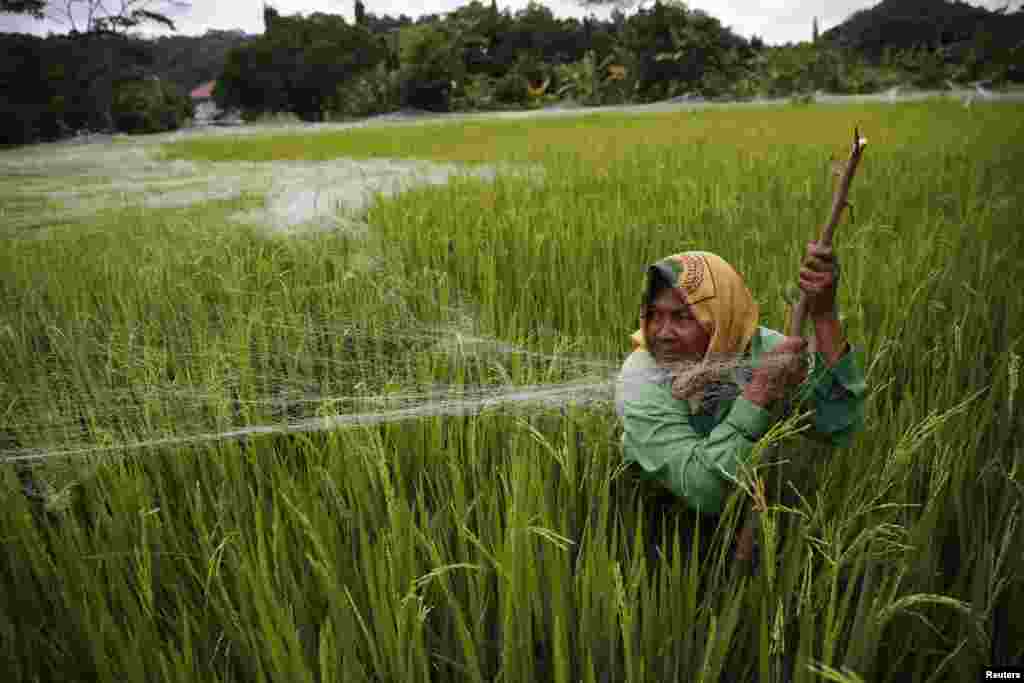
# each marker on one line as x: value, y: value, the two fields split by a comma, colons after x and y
x: 716, y: 294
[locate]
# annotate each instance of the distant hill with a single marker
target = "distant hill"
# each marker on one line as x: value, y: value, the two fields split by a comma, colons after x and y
x: 189, y: 61
x: 902, y: 24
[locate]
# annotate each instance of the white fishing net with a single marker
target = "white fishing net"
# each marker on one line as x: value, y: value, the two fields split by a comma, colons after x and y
x: 388, y: 373
x: 380, y: 373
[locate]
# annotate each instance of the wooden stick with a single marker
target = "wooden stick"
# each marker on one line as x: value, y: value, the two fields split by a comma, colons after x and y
x: 838, y: 204
x: 794, y: 327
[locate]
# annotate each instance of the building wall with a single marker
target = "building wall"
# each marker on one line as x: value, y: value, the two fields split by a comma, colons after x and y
x: 206, y: 110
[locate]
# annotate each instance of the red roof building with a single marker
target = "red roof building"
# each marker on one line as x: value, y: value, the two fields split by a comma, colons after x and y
x: 203, y: 92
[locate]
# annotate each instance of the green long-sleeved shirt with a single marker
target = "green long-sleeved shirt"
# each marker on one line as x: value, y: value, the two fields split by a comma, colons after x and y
x: 694, y: 455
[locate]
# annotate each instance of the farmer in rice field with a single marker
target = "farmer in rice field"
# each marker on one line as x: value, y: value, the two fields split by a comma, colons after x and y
x: 688, y: 432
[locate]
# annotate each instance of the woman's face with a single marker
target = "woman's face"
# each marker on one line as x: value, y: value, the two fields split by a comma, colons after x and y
x: 673, y: 333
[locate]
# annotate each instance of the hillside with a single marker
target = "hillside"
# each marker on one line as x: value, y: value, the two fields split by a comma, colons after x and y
x: 903, y: 24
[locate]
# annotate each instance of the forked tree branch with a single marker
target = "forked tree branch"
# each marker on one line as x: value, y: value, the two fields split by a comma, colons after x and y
x: 839, y: 203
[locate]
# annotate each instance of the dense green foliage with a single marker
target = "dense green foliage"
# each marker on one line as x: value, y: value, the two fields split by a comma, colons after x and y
x: 478, y: 58
x: 298, y: 65
x: 86, y: 80
x: 148, y: 106
x: 677, y: 50
x: 33, y: 7
x: 497, y: 546
x: 52, y: 87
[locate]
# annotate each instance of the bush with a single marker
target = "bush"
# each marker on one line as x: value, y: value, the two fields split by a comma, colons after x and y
x: 745, y: 87
x: 514, y: 87
x: 430, y: 63
x: 432, y: 95
x: 856, y: 78
x: 926, y: 68
x: 889, y: 77
x: 477, y: 91
x: 715, y: 84
x: 149, y: 106
x: 579, y: 80
x: 373, y: 92
x: 511, y: 88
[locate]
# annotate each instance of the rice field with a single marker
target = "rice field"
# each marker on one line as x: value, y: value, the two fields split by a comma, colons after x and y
x: 391, y: 454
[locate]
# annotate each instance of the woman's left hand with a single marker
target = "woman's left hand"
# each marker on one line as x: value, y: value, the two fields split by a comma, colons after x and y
x: 819, y: 278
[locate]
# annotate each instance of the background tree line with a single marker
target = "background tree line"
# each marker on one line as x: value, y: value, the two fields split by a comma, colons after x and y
x: 477, y: 58
x: 98, y: 78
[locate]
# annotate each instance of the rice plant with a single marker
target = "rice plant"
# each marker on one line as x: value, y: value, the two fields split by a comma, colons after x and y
x: 392, y: 456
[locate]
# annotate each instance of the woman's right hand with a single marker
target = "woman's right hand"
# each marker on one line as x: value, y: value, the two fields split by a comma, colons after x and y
x: 778, y: 371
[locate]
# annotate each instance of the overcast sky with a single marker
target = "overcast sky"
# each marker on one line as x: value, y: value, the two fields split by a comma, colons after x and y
x: 776, y: 21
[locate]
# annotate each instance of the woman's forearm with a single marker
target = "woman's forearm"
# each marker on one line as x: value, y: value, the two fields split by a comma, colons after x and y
x: 829, y: 338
